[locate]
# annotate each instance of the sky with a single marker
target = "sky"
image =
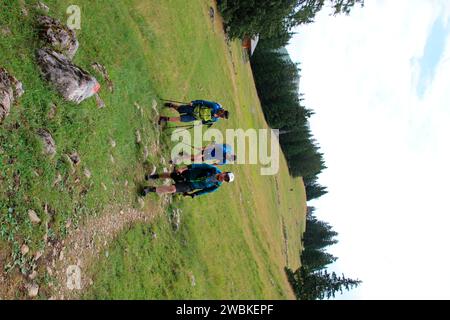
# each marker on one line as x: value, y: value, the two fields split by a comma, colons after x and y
x: 379, y: 83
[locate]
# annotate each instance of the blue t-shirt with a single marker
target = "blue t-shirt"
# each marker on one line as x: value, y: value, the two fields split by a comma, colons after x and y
x: 217, y: 152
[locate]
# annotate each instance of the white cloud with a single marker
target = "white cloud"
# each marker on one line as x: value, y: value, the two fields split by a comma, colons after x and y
x: 386, y: 149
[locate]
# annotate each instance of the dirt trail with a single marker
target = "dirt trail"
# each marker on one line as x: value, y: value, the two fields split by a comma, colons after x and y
x: 64, y: 260
x: 84, y: 246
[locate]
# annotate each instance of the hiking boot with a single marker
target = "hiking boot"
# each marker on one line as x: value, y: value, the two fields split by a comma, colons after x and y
x: 151, y: 176
x: 168, y: 105
x: 147, y: 190
x: 162, y: 121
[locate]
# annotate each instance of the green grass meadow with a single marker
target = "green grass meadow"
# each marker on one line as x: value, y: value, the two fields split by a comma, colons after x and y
x: 232, y: 244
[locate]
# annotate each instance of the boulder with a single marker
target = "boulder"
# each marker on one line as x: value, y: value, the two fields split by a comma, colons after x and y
x: 10, y: 90
x: 58, y: 36
x: 71, y: 82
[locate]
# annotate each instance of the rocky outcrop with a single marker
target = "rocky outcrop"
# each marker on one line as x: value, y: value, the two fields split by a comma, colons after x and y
x: 72, y: 82
x: 10, y: 90
x: 58, y: 36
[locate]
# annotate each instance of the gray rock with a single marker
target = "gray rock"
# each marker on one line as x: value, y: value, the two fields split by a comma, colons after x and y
x: 33, y: 290
x: 155, y: 108
x: 42, y: 7
x: 37, y: 255
x: 57, y: 180
x: 176, y: 219
x: 33, y: 217
x: 33, y: 275
x: 5, y: 31
x: 87, y: 173
x: 138, y: 137
x: 104, y: 73
x: 141, y: 203
x: 10, y: 90
x: 52, y: 112
x: 23, y: 8
x: 75, y: 158
x: 154, y: 148
x: 48, y: 142
x: 58, y: 36
x: 71, y: 82
x: 193, y: 282
x: 24, y: 249
x: 99, y: 101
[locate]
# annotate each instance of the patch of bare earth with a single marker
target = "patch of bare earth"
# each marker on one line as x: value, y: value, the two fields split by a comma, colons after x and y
x: 84, y: 246
x: 66, y: 263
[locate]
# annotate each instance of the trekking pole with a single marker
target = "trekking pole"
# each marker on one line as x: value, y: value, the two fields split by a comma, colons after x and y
x: 183, y: 128
x: 189, y: 145
x: 177, y: 127
x: 165, y: 100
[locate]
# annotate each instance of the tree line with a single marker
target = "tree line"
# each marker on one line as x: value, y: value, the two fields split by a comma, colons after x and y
x: 275, y: 18
x: 312, y: 281
x: 277, y: 81
x: 277, y: 78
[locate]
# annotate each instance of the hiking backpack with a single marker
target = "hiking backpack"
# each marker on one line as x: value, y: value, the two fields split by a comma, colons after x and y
x: 203, y: 113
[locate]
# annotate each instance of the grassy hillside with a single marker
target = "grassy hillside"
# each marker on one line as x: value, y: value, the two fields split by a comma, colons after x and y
x: 231, y: 244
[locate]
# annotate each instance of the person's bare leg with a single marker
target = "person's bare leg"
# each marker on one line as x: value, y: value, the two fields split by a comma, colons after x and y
x: 180, y: 159
x: 166, y: 190
x: 164, y: 175
x: 159, y: 190
x: 168, y: 119
x: 175, y: 106
x: 172, y: 105
x: 157, y: 176
x: 197, y: 158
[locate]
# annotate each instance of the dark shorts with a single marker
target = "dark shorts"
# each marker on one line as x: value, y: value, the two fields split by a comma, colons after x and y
x: 183, y: 187
x: 180, y: 183
x: 186, y: 113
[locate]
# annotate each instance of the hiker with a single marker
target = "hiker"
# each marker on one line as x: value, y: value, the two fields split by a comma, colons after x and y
x: 207, y: 112
x: 193, y: 180
x: 215, y: 154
